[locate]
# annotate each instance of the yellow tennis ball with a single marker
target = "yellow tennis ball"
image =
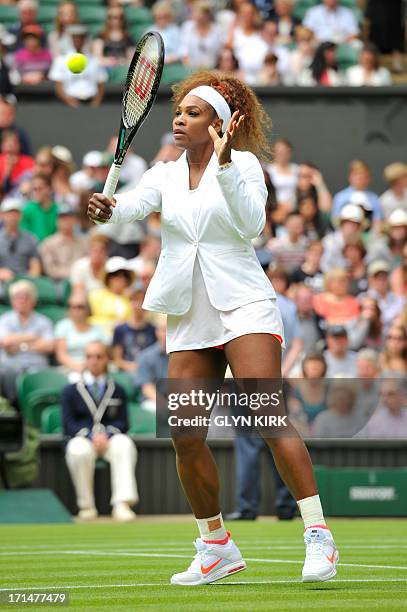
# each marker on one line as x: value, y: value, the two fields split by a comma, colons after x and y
x: 77, y: 62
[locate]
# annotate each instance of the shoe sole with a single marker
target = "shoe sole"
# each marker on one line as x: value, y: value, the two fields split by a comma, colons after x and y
x: 317, y: 578
x: 226, y: 571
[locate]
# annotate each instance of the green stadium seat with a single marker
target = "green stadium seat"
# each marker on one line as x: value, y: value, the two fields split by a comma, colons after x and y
x: 124, y: 380
x: 4, y: 308
x: 302, y: 6
x: 50, y: 3
x: 38, y: 390
x: 51, y: 420
x: 53, y: 312
x: 95, y: 28
x: 347, y: 56
x: 137, y: 30
x: 138, y: 15
x: 117, y: 74
x: 46, y: 289
x: 47, y: 13
x: 140, y: 421
x: 8, y: 14
x: 172, y: 73
x: 92, y: 14
x: 352, y: 4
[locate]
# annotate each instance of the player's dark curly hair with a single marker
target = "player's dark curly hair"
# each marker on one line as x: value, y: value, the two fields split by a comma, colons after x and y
x: 253, y: 135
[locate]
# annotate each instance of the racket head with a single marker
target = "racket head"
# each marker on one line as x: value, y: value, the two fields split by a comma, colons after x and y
x: 143, y: 80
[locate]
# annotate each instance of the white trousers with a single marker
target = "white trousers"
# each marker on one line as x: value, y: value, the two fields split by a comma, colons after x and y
x: 121, y: 453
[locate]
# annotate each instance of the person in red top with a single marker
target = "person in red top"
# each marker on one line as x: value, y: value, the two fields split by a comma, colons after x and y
x: 335, y: 304
x: 13, y: 164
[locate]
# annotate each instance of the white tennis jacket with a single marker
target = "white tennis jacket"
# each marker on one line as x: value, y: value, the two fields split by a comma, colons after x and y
x: 231, y: 214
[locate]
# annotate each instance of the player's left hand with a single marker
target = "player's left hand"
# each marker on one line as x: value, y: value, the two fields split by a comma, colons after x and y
x: 223, y: 144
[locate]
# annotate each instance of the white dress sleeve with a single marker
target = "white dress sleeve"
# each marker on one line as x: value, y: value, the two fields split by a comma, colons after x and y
x: 141, y: 201
x: 245, y: 192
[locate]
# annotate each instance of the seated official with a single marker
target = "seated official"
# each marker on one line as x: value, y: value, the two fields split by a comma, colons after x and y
x: 95, y: 419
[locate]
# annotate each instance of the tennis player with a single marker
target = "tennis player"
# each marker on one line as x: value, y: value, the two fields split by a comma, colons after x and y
x: 221, y: 307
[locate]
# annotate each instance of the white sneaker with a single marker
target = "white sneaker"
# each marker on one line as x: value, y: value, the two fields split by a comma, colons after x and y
x: 321, y: 555
x: 211, y: 562
x: 87, y: 514
x: 122, y: 512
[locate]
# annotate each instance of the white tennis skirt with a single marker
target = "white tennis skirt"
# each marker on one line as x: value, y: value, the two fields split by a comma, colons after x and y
x: 203, y: 326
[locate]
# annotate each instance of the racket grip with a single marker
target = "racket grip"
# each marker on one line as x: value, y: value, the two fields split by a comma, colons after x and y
x: 111, y: 181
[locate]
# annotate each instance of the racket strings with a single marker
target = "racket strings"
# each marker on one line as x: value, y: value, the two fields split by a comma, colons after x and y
x: 141, y: 83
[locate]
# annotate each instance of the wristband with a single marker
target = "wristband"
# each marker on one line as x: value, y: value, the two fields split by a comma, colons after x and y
x: 225, y: 165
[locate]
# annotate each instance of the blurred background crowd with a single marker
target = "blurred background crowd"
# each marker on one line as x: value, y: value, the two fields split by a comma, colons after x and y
x: 264, y: 42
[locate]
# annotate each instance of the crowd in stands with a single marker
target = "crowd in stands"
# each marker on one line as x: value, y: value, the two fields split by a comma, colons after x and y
x: 338, y: 263
x: 264, y: 42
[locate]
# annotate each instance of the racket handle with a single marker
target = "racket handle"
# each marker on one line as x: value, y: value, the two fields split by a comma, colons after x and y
x: 111, y: 181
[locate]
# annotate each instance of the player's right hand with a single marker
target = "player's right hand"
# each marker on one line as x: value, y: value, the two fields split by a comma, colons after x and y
x: 100, y: 208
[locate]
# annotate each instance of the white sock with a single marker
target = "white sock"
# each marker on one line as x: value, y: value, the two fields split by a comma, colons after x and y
x: 213, y: 529
x: 311, y: 511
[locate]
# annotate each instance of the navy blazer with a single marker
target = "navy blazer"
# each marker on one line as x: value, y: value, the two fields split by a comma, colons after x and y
x: 83, y: 416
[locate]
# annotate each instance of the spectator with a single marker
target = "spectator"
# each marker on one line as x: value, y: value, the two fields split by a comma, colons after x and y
x: 357, y: 193
x: 8, y: 75
x: 386, y: 28
x: 85, y: 87
x: 132, y: 337
x: 390, y: 418
x: 335, y: 305
x: 32, y: 60
x: 26, y: 337
x: 74, y: 333
x: 286, y: 22
x: 368, y: 71
x: 228, y: 62
x: 85, y: 179
x: 13, y: 163
x: 331, y: 22
x: 111, y: 304
x: 289, y: 250
x: 88, y: 272
x: 294, y: 342
x: 269, y: 74
x: 163, y: 15
x: 149, y: 253
x: 341, y: 362
x: 368, y: 372
x: 269, y: 33
x: 396, y: 196
x: 309, y: 395
x: 315, y: 225
x: 153, y: 367
x: 354, y: 252
x: 41, y: 213
x: 43, y: 164
x: 8, y: 105
x: 311, y: 183
x: 351, y: 220
x: 28, y: 12
x: 95, y: 420
x: 302, y: 55
x: 202, y: 39
x: 398, y: 278
x: 246, y: 42
x: 390, y: 304
x: 168, y: 151
x: 342, y: 419
x: 63, y: 168
x: 309, y: 272
x: 59, y: 41
x: 303, y: 298
x: 367, y: 329
x: 284, y: 176
x: 18, y: 249
x: 393, y: 359
x: 114, y: 44
x: 323, y: 69
x: 60, y: 251
x: 389, y: 246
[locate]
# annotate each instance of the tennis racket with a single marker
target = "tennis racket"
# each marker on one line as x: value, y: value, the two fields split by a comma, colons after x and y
x: 140, y: 90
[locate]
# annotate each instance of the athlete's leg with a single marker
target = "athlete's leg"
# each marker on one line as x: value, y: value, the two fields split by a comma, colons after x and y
x: 259, y: 356
x: 195, y: 463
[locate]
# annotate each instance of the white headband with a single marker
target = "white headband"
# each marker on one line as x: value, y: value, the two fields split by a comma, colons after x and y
x: 216, y: 100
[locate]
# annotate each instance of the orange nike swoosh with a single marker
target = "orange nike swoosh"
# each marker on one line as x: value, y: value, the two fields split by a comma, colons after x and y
x: 206, y: 570
x: 331, y: 558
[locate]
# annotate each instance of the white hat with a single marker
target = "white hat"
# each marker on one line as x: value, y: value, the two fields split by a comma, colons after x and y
x: 117, y: 263
x: 11, y: 204
x: 360, y: 198
x: 351, y: 212
x: 62, y: 153
x: 398, y: 217
x: 378, y: 266
x: 92, y: 158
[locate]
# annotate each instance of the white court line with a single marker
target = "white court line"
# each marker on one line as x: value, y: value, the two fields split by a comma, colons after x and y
x: 167, y: 584
x: 109, y: 553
